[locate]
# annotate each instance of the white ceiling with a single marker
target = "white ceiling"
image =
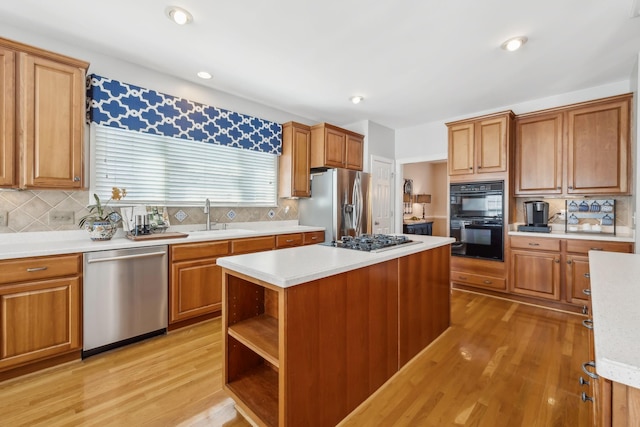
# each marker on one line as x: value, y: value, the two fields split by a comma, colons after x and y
x: 414, y: 61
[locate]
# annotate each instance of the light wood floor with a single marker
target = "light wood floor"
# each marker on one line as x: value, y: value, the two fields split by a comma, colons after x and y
x: 500, y: 364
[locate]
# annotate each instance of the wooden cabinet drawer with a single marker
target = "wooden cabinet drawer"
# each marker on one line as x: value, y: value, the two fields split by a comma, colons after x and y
x: 536, y: 243
x: 252, y: 244
x: 199, y: 250
x: 313, y: 237
x: 29, y: 269
x: 584, y: 246
x: 479, y: 280
x: 288, y: 240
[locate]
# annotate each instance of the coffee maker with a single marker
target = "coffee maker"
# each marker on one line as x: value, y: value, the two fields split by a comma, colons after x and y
x: 536, y: 217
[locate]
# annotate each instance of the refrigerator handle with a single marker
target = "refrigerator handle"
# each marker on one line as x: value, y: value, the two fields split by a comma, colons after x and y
x: 357, y: 201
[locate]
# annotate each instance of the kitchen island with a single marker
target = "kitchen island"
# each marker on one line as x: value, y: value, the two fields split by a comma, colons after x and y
x: 311, y: 332
x: 615, y: 292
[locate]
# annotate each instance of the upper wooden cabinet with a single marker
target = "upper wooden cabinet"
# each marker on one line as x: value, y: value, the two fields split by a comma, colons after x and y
x: 538, y: 154
x: 334, y: 147
x: 480, y: 146
x: 7, y: 116
x: 43, y: 102
x: 581, y: 149
x: 295, y: 161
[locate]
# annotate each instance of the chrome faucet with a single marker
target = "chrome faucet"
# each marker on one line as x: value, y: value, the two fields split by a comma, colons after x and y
x: 207, y: 210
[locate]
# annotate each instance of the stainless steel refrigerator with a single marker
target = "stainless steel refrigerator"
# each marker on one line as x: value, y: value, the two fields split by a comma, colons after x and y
x: 339, y: 202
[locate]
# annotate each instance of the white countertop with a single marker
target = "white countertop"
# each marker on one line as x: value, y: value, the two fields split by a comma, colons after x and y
x: 20, y: 245
x: 615, y: 301
x: 293, y: 266
x: 619, y: 237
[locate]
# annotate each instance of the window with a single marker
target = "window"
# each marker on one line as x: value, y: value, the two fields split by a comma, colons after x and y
x: 175, y: 172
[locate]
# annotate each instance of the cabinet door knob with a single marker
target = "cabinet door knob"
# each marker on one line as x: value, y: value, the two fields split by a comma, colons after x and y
x: 558, y: 188
x: 586, y: 398
x: 470, y: 168
x: 569, y: 261
x: 585, y: 309
x: 587, y: 276
x: 557, y: 261
x: 583, y: 381
x: 76, y: 179
x: 570, y: 187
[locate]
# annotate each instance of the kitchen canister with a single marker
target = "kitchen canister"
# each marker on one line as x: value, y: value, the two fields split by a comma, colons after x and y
x: 584, y: 207
x: 607, y: 207
x: 595, y: 206
x: 573, y: 219
x: 607, y: 220
x: 573, y: 207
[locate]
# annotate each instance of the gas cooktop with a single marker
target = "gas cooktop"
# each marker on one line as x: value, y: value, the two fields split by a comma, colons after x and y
x: 373, y: 242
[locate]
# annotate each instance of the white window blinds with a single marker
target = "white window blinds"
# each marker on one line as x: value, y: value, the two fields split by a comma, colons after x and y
x: 174, y: 172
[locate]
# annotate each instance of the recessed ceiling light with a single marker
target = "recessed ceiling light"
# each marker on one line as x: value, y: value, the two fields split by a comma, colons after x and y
x: 204, y: 75
x: 357, y: 99
x: 178, y: 15
x: 514, y: 43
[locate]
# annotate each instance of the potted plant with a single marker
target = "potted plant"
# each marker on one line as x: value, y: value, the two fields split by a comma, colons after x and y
x: 102, y: 222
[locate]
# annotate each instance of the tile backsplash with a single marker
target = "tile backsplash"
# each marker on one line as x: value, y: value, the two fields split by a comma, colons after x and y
x: 623, y: 208
x: 53, y: 210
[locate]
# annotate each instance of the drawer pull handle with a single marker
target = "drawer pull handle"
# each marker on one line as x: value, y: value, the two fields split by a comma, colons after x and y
x: 585, y: 309
x: 587, y: 276
x: 586, y: 398
x: 587, y: 323
x: 289, y: 240
x: 34, y: 269
x: 586, y: 291
x: 583, y: 381
x: 314, y: 238
x: 596, y: 249
x: 591, y: 364
x: 488, y: 282
x: 534, y: 244
x: 462, y: 277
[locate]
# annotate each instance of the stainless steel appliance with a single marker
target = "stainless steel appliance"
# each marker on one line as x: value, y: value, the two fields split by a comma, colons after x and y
x: 125, y: 297
x: 536, y: 217
x: 476, y: 219
x: 339, y: 202
x: 373, y: 242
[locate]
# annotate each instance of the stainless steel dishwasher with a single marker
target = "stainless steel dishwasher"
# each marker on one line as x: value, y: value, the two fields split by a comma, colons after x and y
x: 125, y: 297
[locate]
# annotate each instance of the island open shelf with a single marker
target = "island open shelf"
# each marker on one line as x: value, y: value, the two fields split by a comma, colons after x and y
x: 308, y: 354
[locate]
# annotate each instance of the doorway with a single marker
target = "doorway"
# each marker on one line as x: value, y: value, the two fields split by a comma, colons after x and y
x: 429, y: 178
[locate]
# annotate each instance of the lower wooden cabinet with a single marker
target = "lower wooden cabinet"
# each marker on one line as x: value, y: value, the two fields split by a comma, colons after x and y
x: 195, y: 284
x: 551, y: 269
x: 478, y: 273
x: 535, y: 274
x: 39, y: 309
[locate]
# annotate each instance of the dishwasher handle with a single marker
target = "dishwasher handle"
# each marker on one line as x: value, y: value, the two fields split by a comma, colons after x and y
x: 123, y: 257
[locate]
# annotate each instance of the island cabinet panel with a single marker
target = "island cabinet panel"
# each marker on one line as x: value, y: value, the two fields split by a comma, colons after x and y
x: 423, y: 300
x: 341, y: 343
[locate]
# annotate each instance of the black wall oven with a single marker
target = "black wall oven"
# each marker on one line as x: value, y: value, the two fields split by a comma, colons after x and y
x: 476, y: 219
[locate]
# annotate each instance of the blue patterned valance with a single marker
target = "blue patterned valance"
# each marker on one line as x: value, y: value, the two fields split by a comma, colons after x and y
x: 116, y: 104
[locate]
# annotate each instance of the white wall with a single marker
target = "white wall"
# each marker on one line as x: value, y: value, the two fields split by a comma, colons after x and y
x: 635, y: 152
x: 127, y: 72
